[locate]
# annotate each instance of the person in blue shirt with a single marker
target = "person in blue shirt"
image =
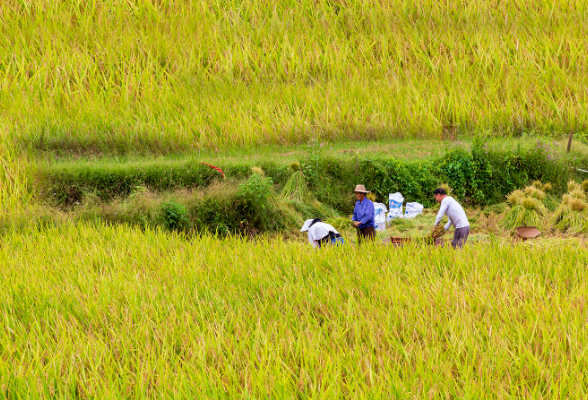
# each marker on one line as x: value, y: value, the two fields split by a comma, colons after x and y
x: 363, y: 215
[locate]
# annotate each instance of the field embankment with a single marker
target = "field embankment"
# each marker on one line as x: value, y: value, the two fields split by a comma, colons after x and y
x: 158, y: 77
x: 479, y: 173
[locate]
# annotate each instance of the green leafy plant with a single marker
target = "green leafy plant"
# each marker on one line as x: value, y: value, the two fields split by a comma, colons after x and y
x: 255, y: 194
x: 174, y: 215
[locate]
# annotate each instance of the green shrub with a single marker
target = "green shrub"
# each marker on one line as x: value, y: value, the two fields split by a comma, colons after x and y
x: 255, y: 194
x: 174, y: 216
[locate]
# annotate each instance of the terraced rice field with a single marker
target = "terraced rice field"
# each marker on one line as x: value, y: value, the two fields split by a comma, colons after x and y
x: 139, y: 90
x: 169, y: 76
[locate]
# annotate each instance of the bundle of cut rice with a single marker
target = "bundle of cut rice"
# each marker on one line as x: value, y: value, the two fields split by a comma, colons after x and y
x: 545, y: 187
x: 438, y: 231
x: 572, y: 214
x: 295, y: 187
x: 527, y: 208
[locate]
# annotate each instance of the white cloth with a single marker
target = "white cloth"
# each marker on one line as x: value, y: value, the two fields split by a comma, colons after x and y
x: 316, y: 232
x: 306, y: 225
x: 455, y: 213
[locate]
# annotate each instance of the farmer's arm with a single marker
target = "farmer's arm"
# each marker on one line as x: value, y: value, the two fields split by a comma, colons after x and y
x: 448, y: 225
x: 354, y: 214
x: 441, y: 213
x: 369, y: 213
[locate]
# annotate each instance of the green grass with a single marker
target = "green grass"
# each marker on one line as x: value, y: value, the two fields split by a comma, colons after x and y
x: 404, y: 149
x: 99, y: 311
x: 113, y: 77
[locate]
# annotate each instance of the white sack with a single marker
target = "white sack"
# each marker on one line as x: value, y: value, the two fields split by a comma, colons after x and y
x: 380, y: 216
x: 413, y: 209
x: 395, y: 201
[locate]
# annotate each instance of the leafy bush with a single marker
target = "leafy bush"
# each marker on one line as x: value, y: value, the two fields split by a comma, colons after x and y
x: 255, y: 194
x: 458, y: 168
x: 174, y: 216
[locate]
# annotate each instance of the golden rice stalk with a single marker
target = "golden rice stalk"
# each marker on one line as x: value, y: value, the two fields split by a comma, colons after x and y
x: 515, y: 197
x: 585, y: 185
x: 573, y: 185
x: 570, y: 217
x: 577, y: 204
x: 295, y: 165
x: 340, y: 223
x: 578, y: 194
x: 519, y: 215
x: 257, y: 171
x: 533, y: 191
x: 447, y: 188
x: 537, y: 184
x: 530, y: 203
x: 295, y: 188
x: 437, y: 232
x: 547, y: 187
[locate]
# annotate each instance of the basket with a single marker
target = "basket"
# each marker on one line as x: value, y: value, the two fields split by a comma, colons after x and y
x: 396, y: 241
x: 527, y: 232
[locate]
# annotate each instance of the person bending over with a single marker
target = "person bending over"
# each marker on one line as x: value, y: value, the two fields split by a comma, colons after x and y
x: 321, y: 234
x: 456, y: 215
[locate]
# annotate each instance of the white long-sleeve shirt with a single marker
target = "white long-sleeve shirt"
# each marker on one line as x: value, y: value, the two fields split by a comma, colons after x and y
x: 318, y: 231
x: 454, y: 212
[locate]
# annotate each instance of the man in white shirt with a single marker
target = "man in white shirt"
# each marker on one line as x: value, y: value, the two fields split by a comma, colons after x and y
x: 456, y: 215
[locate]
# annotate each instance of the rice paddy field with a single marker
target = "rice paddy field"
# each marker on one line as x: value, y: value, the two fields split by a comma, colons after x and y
x: 92, y: 311
x: 106, y: 297
x: 119, y: 76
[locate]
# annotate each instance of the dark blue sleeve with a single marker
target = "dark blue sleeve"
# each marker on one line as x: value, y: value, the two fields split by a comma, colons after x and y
x: 355, y: 213
x: 369, y: 213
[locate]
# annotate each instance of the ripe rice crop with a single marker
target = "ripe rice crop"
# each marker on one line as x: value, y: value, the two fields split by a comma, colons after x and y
x: 534, y: 192
x: 527, y: 208
x: 574, y: 186
x: 295, y: 187
x: 571, y: 216
x: 111, y: 311
x: 14, y: 190
x: 176, y: 76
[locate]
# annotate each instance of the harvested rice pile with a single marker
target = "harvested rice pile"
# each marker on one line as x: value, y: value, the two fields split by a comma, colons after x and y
x: 526, y: 207
x: 296, y: 203
x: 572, y: 214
x: 295, y: 188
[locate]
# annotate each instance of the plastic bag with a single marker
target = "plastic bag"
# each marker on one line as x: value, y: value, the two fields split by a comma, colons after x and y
x: 395, y: 201
x: 380, y: 216
x: 413, y: 209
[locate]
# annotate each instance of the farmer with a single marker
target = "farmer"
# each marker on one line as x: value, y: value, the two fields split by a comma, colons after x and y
x: 456, y: 215
x: 363, y: 215
x: 321, y: 234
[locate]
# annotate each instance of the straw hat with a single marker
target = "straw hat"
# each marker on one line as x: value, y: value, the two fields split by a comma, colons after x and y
x: 360, y: 189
